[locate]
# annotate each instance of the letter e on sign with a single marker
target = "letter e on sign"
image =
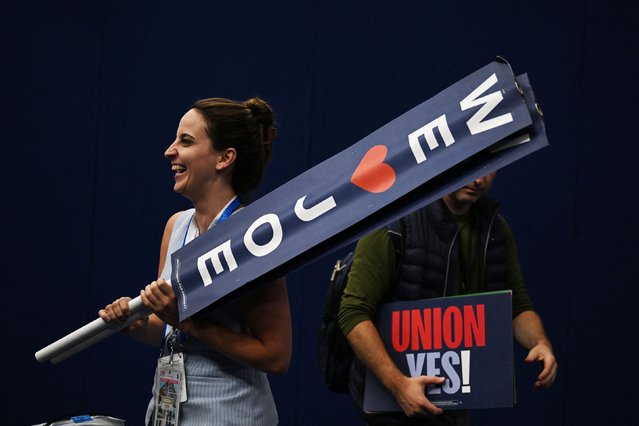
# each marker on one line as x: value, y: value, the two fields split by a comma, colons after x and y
x: 214, y: 256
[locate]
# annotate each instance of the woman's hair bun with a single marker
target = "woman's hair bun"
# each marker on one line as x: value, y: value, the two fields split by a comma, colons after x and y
x: 261, y: 111
x: 263, y: 114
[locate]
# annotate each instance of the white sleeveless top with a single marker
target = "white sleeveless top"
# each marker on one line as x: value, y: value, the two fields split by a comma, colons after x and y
x: 220, y: 391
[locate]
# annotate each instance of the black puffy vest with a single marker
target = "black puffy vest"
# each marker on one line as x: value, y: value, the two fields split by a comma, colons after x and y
x: 431, y: 247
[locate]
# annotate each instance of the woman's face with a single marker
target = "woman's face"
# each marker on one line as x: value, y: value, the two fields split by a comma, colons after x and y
x: 192, y: 156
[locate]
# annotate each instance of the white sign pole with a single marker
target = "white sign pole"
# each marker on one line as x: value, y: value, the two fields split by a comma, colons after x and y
x: 89, y: 334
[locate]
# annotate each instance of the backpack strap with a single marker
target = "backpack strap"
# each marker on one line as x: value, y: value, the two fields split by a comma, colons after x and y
x: 396, y: 233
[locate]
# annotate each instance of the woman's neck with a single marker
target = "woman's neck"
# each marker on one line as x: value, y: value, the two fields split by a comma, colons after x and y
x: 207, y: 209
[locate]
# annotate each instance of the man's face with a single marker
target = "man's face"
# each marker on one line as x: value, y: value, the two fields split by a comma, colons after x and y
x: 470, y: 193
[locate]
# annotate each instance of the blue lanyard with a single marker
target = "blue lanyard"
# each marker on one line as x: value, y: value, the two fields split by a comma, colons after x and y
x: 228, y: 211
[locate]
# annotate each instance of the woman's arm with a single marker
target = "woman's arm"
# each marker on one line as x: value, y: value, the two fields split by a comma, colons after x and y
x: 266, y: 312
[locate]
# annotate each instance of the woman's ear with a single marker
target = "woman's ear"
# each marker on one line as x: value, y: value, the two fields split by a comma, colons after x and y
x: 225, y: 159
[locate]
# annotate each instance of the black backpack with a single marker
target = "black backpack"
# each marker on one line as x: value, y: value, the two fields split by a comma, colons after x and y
x: 335, y: 355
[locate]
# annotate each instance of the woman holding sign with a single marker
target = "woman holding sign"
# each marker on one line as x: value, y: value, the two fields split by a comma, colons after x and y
x: 212, y: 367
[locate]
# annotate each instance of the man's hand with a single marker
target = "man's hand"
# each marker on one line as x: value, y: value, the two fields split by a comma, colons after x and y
x: 529, y: 332
x: 411, y: 395
x: 542, y: 352
x: 409, y: 392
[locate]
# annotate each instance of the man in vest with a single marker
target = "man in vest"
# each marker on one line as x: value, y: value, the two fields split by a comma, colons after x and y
x: 457, y: 245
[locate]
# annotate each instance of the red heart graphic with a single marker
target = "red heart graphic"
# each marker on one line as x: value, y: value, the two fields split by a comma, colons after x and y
x: 372, y: 174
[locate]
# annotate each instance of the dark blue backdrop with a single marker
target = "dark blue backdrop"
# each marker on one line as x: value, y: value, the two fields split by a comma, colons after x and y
x: 91, y: 96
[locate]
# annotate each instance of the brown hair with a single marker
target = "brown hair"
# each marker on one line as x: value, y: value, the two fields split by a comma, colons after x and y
x: 245, y: 126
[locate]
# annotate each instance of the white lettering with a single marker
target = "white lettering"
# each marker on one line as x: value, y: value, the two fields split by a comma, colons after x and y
x: 214, y: 257
x: 314, y: 212
x: 415, y: 368
x: 262, y: 250
x: 452, y: 384
x: 432, y: 370
x: 488, y: 103
x: 428, y: 133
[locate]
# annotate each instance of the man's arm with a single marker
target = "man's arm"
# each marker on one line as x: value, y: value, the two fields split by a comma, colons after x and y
x: 410, y: 392
x: 529, y: 333
x: 369, y: 281
x: 527, y: 326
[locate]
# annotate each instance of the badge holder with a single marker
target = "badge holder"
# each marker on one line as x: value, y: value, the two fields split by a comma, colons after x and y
x: 170, y: 385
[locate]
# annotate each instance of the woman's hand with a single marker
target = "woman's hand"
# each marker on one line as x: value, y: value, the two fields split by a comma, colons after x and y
x: 160, y: 298
x: 119, y: 311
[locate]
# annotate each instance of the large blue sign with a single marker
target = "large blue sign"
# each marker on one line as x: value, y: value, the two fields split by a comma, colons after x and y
x: 479, y: 124
x: 466, y: 339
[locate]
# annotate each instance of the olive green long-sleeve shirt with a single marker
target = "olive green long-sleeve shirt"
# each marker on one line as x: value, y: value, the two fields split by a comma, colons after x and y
x: 373, y: 269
